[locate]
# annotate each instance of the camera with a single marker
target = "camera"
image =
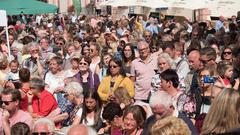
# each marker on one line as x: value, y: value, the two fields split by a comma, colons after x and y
x: 209, y: 79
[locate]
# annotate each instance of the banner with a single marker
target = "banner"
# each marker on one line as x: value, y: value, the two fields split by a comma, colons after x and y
x: 3, y: 18
x: 77, y: 6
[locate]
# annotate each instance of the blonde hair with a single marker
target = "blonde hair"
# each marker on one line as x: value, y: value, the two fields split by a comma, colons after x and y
x: 170, y: 126
x: 223, y: 115
x: 168, y: 58
x: 122, y: 95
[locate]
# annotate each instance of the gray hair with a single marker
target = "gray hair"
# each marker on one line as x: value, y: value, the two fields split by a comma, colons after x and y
x: 37, y: 83
x: 50, y: 123
x: 168, y: 58
x: 161, y: 98
x: 142, y: 43
x: 74, y: 88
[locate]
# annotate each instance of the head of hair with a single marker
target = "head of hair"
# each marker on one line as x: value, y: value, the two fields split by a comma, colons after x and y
x: 170, y: 75
x: 74, y: 88
x: 16, y: 95
x: 228, y: 47
x: 20, y: 128
x: 84, y: 46
x: 111, y: 110
x: 93, y: 95
x: 138, y: 113
x: 119, y: 62
x: 37, y: 83
x: 43, y: 121
x: 170, y: 126
x: 222, y: 66
x: 166, y: 99
x: 168, y: 58
x: 58, y: 60
x: 209, y: 52
x: 3, y: 61
x: 223, y: 114
x: 24, y: 75
x: 132, y: 57
x: 122, y: 96
x: 86, y: 58
x: 168, y: 44
x: 78, y: 39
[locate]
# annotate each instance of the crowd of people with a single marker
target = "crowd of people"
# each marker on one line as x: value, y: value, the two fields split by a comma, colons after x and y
x: 87, y: 75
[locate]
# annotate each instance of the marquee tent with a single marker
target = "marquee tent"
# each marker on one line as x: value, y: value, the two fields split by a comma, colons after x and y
x: 15, y: 7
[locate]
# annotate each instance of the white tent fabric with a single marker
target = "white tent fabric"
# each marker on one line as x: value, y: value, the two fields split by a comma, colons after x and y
x: 143, y: 3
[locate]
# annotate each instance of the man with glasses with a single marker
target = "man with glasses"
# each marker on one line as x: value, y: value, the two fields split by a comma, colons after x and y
x: 45, y: 48
x: 142, y: 71
x: 43, y: 126
x: 35, y: 62
x: 10, y: 113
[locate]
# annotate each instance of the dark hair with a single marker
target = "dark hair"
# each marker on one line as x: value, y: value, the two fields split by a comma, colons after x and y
x: 102, y: 56
x: 84, y: 45
x: 170, y: 75
x: 119, y: 63
x: 224, y: 50
x: 24, y: 75
x: 14, y: 61
x: 20, y: 128
x: 133, y: 53
x: 111, y: 110
x: 209, y: 52
x: 97, y: 110
x: 138, y: 113
x: 168, y: 44
x: 58, y: 60
x: 86, y: 58
x: 78, y: 39
x: 16, y: 95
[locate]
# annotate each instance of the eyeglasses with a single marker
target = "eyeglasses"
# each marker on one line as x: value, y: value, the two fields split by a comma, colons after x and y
x: 205, y: 61
x: 35, y: 50
x: 147, y: 35
x: 6, y: 102
x: 59, y: 43
x: 228, y: 53
x: 83, y: 63
x: 40, y: 133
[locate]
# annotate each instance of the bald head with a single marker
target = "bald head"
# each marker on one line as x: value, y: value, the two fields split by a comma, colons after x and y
x: 81, y: 130
x: 194, y: 60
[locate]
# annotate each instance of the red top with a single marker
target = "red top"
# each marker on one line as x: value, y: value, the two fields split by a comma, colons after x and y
x: 24, y: 101
x: 45, y: 104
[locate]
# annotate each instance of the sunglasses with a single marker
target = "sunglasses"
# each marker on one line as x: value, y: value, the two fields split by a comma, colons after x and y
x: 40, y: 133
x: 228, y: 53
x: 6, y: 102
x: 83, y: 63
x: 59, y: 43
x: 113, y: 66
x: 205, y: 61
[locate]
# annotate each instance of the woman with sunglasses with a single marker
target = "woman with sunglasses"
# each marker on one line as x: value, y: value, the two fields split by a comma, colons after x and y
x: 85, y: 76
x: 227, y: 54
x: 116, y: 77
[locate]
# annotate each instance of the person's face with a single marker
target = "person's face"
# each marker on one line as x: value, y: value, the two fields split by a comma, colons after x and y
x: 147, y: 36
x: 8, y: 103
x: 160, y: 111
x: 203, y: 74
x: 127, y: 52
x: 76, y: 44
x: 11, y: 39
x: 143, y: 51
x: 227, y: 54
x: 75, y: 64
x: 195, y: 35
x: 41, y: 128
x: 71, y: 49
x: 205, y: 60
x: 163, y: 64
x: 34, y: 52
x: 106, y: 59
x: 114, y: 68
x: 83, y: 65
x: 93, y: 51
x: 164, y: 84
x: 194, y: 61
x: 54, y: 67
x: 117, y: 122
x: 14, y: 51
x: 129, y: 122
x: 229, y: 72
x: 14, y: 67
x: 170, y: 52
x: 86, y: 51
x: 59, y: 44
x: 44, y: 44
x: 90, y: 103
x: 69, y: 97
